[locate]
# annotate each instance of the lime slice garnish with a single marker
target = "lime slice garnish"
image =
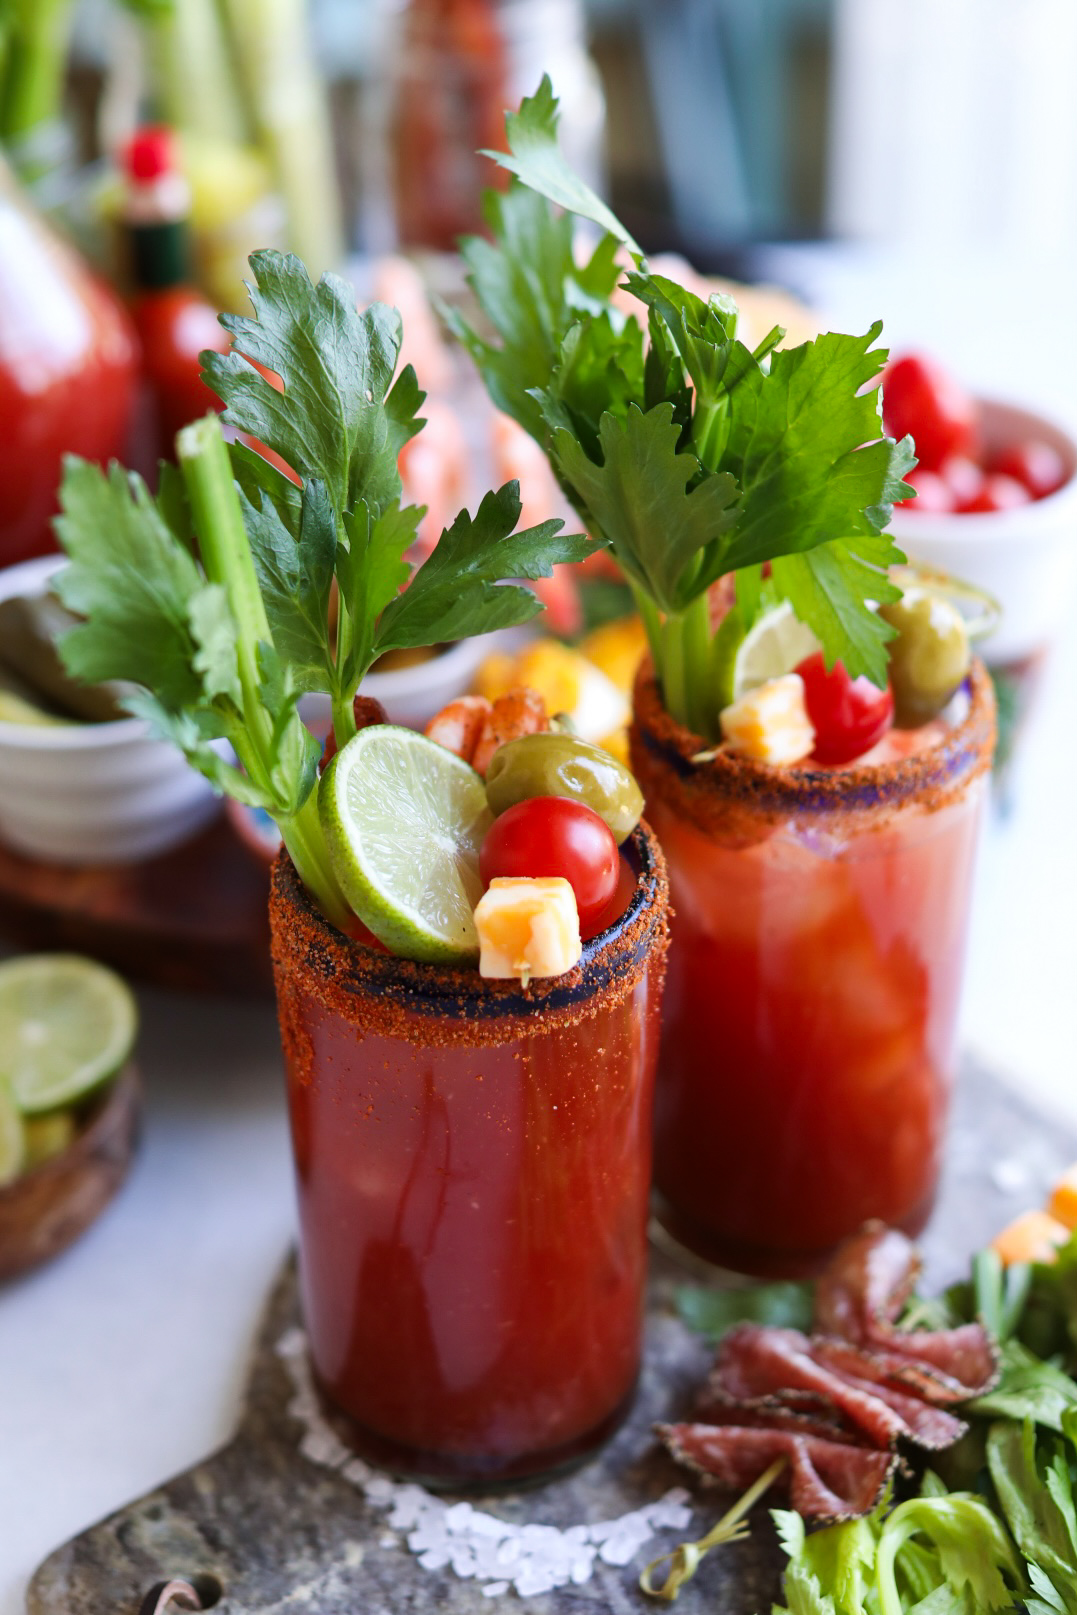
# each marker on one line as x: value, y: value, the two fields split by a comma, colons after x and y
x: 66, y: 1026
x: 979, y: 609
x: 774, y: 645
x: 404, y: 820
x: 12, y: 1137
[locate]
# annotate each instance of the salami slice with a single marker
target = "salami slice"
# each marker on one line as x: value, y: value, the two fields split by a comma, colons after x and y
x: 826, y: 1480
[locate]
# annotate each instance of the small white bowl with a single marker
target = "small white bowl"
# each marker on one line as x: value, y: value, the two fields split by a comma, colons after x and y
x: 1026, y: 558
x: 92, y: 793
x: 412, y: 695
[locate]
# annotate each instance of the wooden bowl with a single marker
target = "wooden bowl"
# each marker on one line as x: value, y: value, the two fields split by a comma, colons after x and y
x: 47, y: 1208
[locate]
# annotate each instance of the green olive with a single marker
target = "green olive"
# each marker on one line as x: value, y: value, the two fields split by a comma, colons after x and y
x: 928, y: 659
x: 560, y: 765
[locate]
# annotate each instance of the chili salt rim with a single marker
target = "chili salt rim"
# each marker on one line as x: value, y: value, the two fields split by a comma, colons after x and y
x: 441, y: 1004
x: 662, y: 752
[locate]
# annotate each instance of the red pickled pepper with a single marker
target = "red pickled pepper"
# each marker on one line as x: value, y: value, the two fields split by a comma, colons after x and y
x: 175, y: 322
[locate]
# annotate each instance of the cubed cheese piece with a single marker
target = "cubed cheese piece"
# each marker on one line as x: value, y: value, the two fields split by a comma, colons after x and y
x: 1063, y: 1202
x: 527, y: 927
x: 1033, y: 1237
x: 770, y: 723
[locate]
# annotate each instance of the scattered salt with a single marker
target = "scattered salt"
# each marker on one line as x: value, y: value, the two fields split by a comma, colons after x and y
x: 471, y: 1542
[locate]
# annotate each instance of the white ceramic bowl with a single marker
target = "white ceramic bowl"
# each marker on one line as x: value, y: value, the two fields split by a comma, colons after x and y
x: 412, y: 695
x: 94, y: 793
x: 1026, y: 558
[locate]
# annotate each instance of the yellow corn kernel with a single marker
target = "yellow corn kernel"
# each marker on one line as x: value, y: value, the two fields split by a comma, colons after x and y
x: 770, y: 723
x: 527, y: 927
x: 1063, y: 1202
x: 1032, y: 1237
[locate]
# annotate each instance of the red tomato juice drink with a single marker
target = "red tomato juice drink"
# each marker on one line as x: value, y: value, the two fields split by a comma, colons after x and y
x: 473, y: 1162
x: 809, y: 1020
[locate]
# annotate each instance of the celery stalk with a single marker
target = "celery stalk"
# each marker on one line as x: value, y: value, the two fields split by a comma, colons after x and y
x: 36, y: 41
x: 287, y: 101
x: 226, y: 556
x: 193, y: 72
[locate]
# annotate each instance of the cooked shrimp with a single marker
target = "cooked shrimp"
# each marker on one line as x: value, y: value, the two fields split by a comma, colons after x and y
x: 521, y: 711
x: 460, y: 726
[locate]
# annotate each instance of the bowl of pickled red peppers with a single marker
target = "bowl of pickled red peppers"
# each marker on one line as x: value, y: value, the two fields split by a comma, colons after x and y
x: 996, y: 498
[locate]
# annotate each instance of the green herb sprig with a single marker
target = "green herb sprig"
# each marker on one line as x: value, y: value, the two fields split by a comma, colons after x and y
x: 214, y: 598
x: 688, y: 454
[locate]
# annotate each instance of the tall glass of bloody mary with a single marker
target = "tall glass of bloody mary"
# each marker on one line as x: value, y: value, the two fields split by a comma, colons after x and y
x: 818, y: 945
x: 473, y: 1165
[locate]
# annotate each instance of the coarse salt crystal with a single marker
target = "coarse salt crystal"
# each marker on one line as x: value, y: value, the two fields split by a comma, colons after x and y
x: 496, y: 1589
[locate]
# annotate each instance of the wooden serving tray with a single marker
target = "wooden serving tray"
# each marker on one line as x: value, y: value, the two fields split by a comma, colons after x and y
x: 260, y: 1527
x: 196, y: 917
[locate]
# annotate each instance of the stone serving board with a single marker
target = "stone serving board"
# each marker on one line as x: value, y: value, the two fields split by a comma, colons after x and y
x: 262, y: 1528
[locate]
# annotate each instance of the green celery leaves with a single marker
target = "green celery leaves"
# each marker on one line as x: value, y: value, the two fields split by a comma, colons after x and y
x: 690, y: 455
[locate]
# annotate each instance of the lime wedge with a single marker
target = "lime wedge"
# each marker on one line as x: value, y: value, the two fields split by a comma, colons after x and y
x: 772, y: 646
x: 12, y: 1137
x: 47, y: 1136
x: 66, y: 1026
x: 404, y: 820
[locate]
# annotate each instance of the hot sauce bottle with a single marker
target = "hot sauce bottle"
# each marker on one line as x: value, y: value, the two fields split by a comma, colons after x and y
x: 174, y: 320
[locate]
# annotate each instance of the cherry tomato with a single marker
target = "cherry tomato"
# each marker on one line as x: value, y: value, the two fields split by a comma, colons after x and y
x: 849, y: 715
x: 999, y: 492
x: 1037, y: 464
x: 964, y: 478
x: 922, y: 399
x: 934, y: 495
x: 551, y: 835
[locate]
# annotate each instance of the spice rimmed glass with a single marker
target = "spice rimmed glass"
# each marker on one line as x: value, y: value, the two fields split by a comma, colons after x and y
x: 473, y: 1163
x: 810, y: 1010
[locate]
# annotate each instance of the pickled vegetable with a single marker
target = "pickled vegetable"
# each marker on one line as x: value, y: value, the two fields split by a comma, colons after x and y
x: 928, y: 659
x: 560, y: 765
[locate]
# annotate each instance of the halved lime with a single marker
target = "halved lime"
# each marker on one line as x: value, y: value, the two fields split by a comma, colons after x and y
x: 774, y: 645
x: 404, y: 820
x: 66, y: 1026
x: 12, y: 1137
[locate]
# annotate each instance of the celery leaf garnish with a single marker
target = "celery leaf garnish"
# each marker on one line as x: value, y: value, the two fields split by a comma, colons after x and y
x: 537, y: 160
x: 241, y: 589
x: 457, y: 591
x: 782, y: 451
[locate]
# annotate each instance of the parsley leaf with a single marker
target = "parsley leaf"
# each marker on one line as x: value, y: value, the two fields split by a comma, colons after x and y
x: 713, y: 1312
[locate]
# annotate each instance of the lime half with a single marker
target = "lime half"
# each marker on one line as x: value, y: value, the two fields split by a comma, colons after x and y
x: 771, y: 647
x: 66, y: 1026
x: 12, y: 1137
x: 404, y: 820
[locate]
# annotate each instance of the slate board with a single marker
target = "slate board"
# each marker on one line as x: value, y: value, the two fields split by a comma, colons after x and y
x: 280, y: 1533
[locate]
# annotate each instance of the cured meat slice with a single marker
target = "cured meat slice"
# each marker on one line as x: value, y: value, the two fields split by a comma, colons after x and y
x: 826, y: 1480
x: 862, y: 1292
x: 906, y: 1373
x: 797, y: 1411
x: 759, y: 1362
x: 866, y: 1283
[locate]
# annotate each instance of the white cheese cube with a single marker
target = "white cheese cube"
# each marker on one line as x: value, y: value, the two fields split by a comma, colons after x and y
x: 527, y: 927
x: 771, y: 722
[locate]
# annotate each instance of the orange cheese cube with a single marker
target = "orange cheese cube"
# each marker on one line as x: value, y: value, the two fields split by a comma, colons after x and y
x: 1034, y: 1236
x: 527, y: 927
x: 771, y: 722
x: 1063, y: 1202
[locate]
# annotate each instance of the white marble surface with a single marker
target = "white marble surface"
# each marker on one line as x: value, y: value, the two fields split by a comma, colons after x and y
x: 122, y: 1362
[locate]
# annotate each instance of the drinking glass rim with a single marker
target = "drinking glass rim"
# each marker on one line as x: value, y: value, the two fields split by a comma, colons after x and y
x: 929, y: 778
x: 457, y: 992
